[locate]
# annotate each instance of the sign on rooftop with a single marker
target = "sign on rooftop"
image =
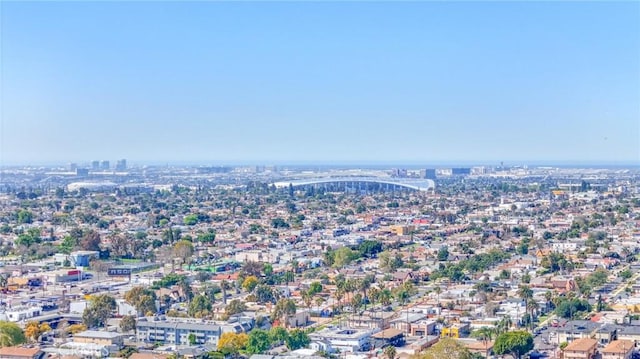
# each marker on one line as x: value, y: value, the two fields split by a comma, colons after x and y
x: 117, y: 272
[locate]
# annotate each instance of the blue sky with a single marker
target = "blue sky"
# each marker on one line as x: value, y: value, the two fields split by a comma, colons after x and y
x: 320, y: 81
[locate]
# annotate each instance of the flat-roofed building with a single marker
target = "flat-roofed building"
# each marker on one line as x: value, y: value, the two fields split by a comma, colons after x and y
x: 345, y: 340
x: 618, y: 349
x: 99, y: 337
x: 583, y: 348
x: 178, y: 330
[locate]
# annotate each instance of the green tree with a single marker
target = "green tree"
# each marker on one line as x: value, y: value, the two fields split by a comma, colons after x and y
x: 259, y: 342
x: 297, y: 339
x: 190, y: 220
x: 192, y: 339
x: 234, y: 307
x: 101, y: 308
x: 278, y: 335
x: 24, y: 216
x: 515, y: 343
x: 370, y: 248
x: 343, y: 256
x: 283, y: 309
x: 446, y: 348
x: 143, y: 299
x: 200, y: 306
x: 443, y: 253
x: 128, y: 323
x: 264, y: 294
x: 11, y: 334
x: 390, y: 352
x: 315, y: 288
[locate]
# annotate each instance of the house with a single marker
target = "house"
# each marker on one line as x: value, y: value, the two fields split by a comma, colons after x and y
x: 20, y: 353
x: 576, y: 329
x: 482, y: 348
x: 618, y: 349
x: 583, y: 348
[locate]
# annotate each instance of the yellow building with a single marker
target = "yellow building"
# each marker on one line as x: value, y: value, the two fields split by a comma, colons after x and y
x: 399, y: 230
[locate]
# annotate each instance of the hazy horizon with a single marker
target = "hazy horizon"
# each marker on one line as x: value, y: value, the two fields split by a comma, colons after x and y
x: 343, y: 164
x: 262, y: 82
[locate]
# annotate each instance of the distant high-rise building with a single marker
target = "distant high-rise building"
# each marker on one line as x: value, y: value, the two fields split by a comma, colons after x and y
x: 95, y: 165
x: 104, y: 165
x: 82, y: 172
x: 121, y: 165
x: 461, y: 171
x: 429, y: 173
x: 399, y: 172
x: 73, y: 167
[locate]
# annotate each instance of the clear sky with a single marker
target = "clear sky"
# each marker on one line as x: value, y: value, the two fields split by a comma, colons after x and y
x: 320, y: 81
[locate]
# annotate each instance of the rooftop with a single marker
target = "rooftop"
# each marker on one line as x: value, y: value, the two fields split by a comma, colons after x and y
x: 582, y: 345
x: 619, y: 347
x: 18, y: 352
x: 97, y: 334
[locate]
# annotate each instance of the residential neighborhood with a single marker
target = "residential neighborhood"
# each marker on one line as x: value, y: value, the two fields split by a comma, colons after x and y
x: 322, y: 268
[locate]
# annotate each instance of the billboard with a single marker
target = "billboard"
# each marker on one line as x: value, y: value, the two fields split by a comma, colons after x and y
x: 117, y: 272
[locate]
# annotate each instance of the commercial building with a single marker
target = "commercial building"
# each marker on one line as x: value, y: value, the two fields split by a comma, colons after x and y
x: 82, y: 258
x: 121, y: 165
x: 429, y: 173
x: 20, y: 313
x: 345, y: 340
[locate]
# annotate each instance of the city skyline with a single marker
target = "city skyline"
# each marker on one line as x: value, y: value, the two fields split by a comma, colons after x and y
x: 320, y: 82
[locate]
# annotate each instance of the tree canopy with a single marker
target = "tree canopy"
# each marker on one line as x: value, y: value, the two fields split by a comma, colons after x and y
x: 11, y: 334
x: 99, y: 310
x: 515, y: 343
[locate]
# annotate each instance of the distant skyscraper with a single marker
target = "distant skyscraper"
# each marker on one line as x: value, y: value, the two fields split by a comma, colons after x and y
x: 95, y: 165
x: 399, y: 172
x: 429, y: 173
x: 460, y: 171
x: 104, y: 165
x: 73, y: 167
x: 82, y: 172
x: 121, y: 165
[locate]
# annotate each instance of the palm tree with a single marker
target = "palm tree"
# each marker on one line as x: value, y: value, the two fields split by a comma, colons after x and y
x: 485, y: 334
x: 338, y: 295
x: 224, y: 285
x: 437, y: 290
x: 532, y: 307
x: 385, y: 297
x: 527, y: 295
x: 390, y: 352
x: 503, y: 325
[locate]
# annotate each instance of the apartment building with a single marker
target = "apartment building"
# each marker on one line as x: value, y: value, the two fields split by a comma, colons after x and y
x: 618, y: 349
x: 186, y: 331
x: 583, y: 348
